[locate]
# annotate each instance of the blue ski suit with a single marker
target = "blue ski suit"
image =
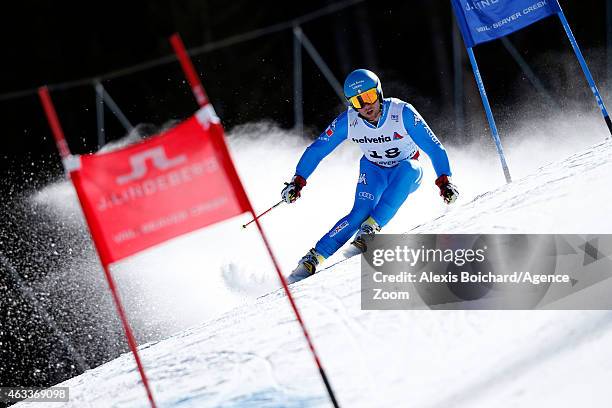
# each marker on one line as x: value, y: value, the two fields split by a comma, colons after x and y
x: 388, y: 171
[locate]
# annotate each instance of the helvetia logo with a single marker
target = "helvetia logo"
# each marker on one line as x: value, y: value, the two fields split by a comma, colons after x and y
x: 158, y: 157
x: 365, y: 139
x: 397, y: 136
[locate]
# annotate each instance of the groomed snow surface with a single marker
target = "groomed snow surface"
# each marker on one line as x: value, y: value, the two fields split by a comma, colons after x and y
x: 242, y: 348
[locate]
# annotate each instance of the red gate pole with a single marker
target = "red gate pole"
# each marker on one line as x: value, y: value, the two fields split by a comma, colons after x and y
x: 200, y: 95
x: 129, y: 334
x: 298, y: 315
x: 189, y: 70
x: 62, y: 146
x: 56, y: 128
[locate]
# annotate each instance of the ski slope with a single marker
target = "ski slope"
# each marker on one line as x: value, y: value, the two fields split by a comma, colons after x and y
x: 247, y: 351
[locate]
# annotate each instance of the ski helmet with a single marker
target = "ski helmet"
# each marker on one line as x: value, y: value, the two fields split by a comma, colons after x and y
x: 357, y: 83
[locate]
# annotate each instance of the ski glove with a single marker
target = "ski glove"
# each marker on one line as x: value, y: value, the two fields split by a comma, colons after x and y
x: 291, y: 192
x: 448, y: 191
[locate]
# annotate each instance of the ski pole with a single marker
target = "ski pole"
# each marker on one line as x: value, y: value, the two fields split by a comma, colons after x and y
x: 263, y: 213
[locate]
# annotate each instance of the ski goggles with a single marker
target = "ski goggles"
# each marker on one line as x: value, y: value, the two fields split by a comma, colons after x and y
x: 369, y: 96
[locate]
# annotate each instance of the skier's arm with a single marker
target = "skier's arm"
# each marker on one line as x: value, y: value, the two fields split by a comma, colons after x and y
x: 426, y: 140
x: 331, y: 138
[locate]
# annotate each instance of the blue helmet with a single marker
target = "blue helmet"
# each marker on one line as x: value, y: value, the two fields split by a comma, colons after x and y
x: 360, y: 81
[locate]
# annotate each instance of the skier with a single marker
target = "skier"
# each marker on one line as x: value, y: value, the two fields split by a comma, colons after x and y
x: 389, y: 131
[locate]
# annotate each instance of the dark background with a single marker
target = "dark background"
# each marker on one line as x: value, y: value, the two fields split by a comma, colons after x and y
x: 408, y: 43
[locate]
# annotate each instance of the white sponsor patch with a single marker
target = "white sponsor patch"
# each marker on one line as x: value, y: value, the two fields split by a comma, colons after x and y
x: 365, y: 195
x: 362, y: 179
x: 339, y: 228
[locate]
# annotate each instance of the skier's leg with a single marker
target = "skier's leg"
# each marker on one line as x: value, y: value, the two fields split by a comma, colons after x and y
x: 370, y: 186
x: 404, y: 180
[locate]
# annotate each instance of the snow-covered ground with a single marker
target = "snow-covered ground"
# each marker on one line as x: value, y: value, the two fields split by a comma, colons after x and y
x: 247, y: 351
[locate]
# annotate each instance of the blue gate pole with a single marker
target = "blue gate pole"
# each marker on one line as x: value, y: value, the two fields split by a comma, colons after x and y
x: 585, y: 69
x: 487, y: 106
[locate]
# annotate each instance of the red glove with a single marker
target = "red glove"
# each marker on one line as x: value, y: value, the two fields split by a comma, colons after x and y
x: 448, y: 191
x: 291, y: 192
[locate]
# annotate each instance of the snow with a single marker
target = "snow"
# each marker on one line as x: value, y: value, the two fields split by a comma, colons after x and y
x: 240, y: 350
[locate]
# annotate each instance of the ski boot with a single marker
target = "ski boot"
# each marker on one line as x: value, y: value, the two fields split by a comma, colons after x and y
x: 306, y: 267
x: 365, y: 234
